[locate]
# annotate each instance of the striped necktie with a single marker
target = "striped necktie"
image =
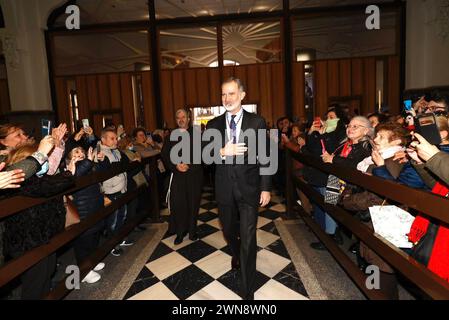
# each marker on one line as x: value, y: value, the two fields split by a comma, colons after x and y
x: 233, y: 126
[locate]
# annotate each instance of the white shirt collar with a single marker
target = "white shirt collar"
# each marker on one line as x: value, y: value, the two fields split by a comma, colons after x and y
x: 238, y: 114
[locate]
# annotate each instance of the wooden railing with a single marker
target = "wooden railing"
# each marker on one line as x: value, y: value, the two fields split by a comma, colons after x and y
x: 15, y: 205
x: 432, y: 205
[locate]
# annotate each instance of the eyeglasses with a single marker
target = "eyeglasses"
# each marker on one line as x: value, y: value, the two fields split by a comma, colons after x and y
x: 354, y: 126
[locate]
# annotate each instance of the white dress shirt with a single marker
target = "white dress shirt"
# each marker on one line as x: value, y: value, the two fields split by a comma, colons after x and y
x: 238, y: 120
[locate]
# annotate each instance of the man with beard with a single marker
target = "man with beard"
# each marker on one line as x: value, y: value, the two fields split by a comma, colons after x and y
x: 239, y: 188
x: 186, y: 182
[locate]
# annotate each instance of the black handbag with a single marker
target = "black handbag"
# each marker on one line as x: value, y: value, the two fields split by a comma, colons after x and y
x: 334, y: 189
x: 422, y: 251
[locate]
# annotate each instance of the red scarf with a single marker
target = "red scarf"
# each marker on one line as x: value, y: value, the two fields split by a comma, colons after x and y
x: 439, y: 258
x: 347, y: 148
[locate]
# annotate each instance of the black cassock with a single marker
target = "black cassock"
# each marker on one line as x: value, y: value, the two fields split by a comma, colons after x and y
x: 184, y: 192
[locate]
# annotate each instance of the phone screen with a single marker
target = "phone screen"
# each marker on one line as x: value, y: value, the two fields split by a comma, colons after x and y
x: 408, y: 105
x: 85, y: 123
x: 45, y: 127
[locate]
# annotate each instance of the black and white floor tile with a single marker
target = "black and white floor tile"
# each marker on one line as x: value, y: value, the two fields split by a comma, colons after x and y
x: 201, y: 270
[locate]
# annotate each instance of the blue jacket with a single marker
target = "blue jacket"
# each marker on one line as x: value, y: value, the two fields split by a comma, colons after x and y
x: 408, y: 176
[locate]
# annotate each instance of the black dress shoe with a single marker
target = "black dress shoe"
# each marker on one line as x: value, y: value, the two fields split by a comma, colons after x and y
x: 194, y: 237
x: 318, y: 246
x: 235, y: 263
x: 178, y: 239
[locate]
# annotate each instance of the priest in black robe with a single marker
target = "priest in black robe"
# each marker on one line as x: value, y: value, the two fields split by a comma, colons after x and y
x: 186, y: 181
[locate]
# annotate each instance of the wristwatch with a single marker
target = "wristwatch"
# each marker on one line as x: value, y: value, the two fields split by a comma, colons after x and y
x: 40, y: 157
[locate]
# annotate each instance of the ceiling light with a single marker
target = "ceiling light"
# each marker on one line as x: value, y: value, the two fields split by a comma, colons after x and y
x: 261, y: 8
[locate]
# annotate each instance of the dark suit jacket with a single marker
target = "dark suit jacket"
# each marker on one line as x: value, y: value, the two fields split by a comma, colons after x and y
x: 248, y: 176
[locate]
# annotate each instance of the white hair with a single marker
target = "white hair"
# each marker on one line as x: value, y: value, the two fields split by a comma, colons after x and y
x: 367, y: 124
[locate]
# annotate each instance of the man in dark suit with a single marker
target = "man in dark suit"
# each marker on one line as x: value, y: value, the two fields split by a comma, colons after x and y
x: 239, y: 187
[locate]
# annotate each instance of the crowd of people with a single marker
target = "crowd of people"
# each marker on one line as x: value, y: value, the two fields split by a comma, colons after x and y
x: 386, y: 146
x: 51, y: 167
x: 382, y: 145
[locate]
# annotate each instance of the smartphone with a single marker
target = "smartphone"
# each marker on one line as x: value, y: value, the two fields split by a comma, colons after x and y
x: 45, y: 127
x: 408, y: 105
x: 426, y: 125
x: 85, y: 123
x: 317, y: 122
x: 98, y: 147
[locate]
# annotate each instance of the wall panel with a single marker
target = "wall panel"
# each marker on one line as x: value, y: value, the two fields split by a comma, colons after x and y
x: 115, y: 91
x: 278, y: 89
x: 167, y: 98
x: 148, y: 100
x: 369, y: 104
x: 82, y: 94
x: 62, y: 100
x: 265, y: 98
x: 179, y: 94
x: 252, y: 85
x: 321, y: 93
x: 357, y: 83
x: 92, y: 92
x: 126, y: 90
x: 298, y: 89
x: 333, y: 78
x: 393, y: 81
x: 214, y: 86
x: 104, y: 98
x: 191, y: 87
x: 202, y: 87
x: 345, y: 77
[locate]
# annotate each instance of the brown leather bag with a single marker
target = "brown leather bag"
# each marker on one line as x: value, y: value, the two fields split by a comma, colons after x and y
x: 72, y: 216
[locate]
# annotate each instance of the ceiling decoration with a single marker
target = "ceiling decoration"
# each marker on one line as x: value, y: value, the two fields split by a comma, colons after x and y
x: 242, y: 43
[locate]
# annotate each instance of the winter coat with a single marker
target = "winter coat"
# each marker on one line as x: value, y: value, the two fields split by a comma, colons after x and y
x: 117, y: 183
x: 30, y: 165
x: 35, y: 226
x: 408, y: 176
x: 359, y: 151
x: 314, y: 148
x: 90, y: 199
x: 439, y: 165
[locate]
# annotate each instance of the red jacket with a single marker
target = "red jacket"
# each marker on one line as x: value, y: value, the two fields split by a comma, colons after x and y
x: 439, y: 258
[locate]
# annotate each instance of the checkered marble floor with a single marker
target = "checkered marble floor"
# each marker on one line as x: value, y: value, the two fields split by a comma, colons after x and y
x: 201, y: 270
